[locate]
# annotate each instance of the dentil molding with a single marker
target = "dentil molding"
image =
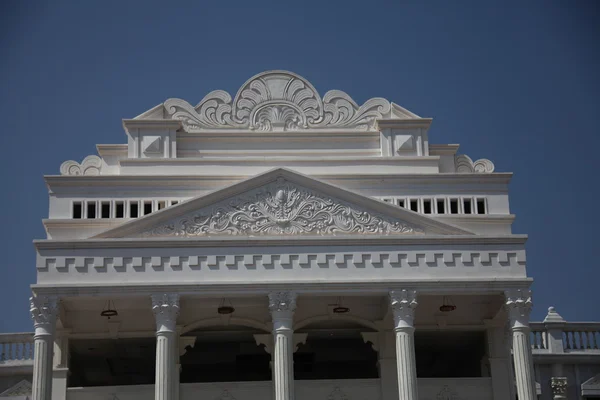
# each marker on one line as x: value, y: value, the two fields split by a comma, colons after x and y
x: 277, y: 101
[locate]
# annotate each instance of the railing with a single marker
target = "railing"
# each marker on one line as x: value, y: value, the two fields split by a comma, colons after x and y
x: 581, y: 336
x: 570, y: 337
x: 15, y: 347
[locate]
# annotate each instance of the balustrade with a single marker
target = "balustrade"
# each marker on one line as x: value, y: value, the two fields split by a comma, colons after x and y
x: 16, y: 347
x: 576, y: 337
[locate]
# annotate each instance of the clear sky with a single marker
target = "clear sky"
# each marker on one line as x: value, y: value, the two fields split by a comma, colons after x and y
x: 513, y: 81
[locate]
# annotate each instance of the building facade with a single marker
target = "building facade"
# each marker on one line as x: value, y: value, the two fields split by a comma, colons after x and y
x: 284, y: 245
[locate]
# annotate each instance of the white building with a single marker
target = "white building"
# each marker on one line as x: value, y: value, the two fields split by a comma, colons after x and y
x: 285, y: 245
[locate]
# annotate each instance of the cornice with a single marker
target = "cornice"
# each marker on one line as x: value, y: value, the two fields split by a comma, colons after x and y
x: 275, y: 241
x: 112, y: 150
x: 438, y: 287
x: 438, y: 149
x: 151, y: 124
x: 193, y: 180
x: 267, y: 161
x: 404, y: 123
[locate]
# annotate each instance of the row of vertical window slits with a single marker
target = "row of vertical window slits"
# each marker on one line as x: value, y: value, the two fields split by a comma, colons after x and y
x: 442, y: 206
x: 138, y: 208
x: 117, y: 209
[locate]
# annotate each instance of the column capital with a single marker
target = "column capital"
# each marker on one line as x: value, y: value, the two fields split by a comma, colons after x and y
x: 559, y: 387
x: 44, y: 310
x: 282, y: 301
x: 518, y: 306
x: 403, y: 303
x: 166, y: 309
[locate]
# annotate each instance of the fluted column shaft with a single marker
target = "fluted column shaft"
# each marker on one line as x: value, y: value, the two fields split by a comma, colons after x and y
x: 282, y: 306
x: 403, y: 304
x: 43, y: 312
x: 166, y: 310
x: 518, y: 305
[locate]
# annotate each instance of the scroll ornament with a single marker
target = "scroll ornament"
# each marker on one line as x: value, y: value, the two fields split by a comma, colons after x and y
x: 91, y: 165
x: 464, y: 164
x: 277, y: 101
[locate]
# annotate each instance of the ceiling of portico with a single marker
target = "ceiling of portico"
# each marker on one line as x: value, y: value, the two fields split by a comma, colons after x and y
x: 281, y: 203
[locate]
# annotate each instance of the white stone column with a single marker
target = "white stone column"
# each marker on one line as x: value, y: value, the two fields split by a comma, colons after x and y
x: 43, y: 312
x: 518, y: 305
x: 282, y: 306
x: 403, y: 304
x: 60, y: 372
x: 166, y: 309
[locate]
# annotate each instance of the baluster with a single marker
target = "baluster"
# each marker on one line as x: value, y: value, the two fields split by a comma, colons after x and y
x: 579, y: 341
x: 2, y: 350
x: 14, y: 351
x: 595, y: 340
x: 544, y: 338
x: 567, y: 340
x: 534, y: 340
x: 30, y: 351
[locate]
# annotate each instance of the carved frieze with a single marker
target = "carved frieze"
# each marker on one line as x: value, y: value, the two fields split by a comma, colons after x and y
x: 464, y: 164
x: 91, y: 165
x: 281, y: 208
x: 277, y: 101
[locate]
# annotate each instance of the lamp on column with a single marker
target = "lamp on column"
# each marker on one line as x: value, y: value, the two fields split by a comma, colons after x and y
x: 447, y: 304
x: 225, y: 307
x: 109, y: 310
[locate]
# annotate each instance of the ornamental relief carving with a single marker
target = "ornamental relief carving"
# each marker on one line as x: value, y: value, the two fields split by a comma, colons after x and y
x: 281, y: 208
x: 464, y: 164
x: 91, y: 165
x: 277, y: 101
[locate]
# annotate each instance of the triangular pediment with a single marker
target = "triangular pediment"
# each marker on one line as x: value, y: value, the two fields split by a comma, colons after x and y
x: 282, y: 203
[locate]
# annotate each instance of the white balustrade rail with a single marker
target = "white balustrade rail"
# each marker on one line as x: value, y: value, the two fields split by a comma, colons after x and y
x: 570, y: 337
x: 16, y: 347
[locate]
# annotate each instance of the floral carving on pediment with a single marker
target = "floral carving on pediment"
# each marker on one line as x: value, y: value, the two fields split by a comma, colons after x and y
x: 277, y: 101
x: 281, y: 208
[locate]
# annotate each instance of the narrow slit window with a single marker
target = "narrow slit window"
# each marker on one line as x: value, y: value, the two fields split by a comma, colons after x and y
x: 91, y: 209
x: 414, y: 205
x: 147, y: 207
x: 174, y: 202
x: 480, y: 206
x: 441, y: 206
x: 427, y: 206
x: 388, y: 200
x: 105, y: 210
x: 77, y: 210
x: 161, y: 205
x: 467, y: 206
x: 119, y: 209
x: 401, y: 202
x: 133, y: 209
x: 453, y: 206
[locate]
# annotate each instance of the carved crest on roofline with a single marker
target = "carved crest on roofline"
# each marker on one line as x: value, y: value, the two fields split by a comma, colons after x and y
x: 281, y: 208
x: 277, y: 101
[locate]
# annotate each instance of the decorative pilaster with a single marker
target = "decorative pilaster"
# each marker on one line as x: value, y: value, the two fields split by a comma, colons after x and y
x: 43, y: 312
x: 559, y: 388
x: 166, y: 309
x: 403, y: 304
x: 518, y: 305
x: 282, y: 306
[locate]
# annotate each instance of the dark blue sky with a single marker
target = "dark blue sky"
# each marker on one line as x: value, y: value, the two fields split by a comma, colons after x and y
x: 516, y: 82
